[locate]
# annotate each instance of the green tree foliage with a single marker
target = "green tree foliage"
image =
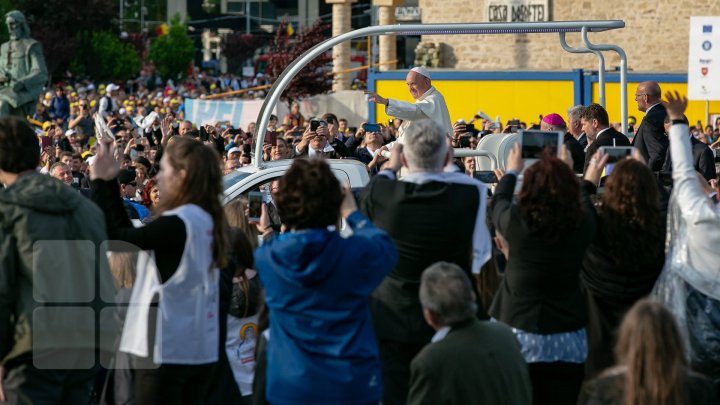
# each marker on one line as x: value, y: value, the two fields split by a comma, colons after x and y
x: 103, y: 56
x: 173, y: 53
x: 59, y: 25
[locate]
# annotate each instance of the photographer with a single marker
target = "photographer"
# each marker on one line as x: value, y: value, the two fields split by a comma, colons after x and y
x: 83, y: 119
x: 318, y: 143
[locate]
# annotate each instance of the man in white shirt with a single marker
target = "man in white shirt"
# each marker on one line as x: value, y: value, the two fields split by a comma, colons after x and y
x: 429, y: 103
x: 108, y: 106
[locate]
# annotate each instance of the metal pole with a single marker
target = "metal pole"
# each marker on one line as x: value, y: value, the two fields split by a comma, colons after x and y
x: 247, y: 17
x: 601, y: 65
x: 623, y: 74
x: 142, y: 15
x: 707, y: 115
x: 122, y: 15
x: 293, y: 68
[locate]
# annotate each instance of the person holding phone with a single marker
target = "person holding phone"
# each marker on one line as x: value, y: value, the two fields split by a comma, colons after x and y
x: 455, y: 232
x: 321, y: 346
x: 182, y: 250
x: 627, y: 253
x: 315, y: 143
x: 545, y: 232
x: 83, y: 119
x: 370, y: 153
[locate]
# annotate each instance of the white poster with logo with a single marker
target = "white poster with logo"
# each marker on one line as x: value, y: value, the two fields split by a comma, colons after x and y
x: 704, y: 59
x: 238, y: 112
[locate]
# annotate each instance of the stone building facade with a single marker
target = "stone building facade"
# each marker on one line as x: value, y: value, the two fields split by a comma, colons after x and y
x: 655, y: 36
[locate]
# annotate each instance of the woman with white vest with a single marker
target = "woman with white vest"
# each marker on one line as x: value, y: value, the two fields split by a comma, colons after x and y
x: 171, y: 328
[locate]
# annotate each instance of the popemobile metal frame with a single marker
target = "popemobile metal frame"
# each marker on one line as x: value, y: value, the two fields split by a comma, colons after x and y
x: 560, y: 27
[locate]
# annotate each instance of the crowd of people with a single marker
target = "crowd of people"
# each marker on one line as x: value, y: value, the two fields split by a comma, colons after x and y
x: 430, y: 287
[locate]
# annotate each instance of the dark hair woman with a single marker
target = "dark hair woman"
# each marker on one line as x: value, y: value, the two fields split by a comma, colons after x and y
x: 651, y: 366
x: 175, y: 346
x: 626, y: 256
x: 546, y: 231
x: 321, y: 347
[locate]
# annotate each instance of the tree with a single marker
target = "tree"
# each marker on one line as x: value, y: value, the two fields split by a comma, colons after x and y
x: 313, y: 79
x: 173, y: 53
x: 237, y: 47
x: 103, y: 56
x: 59, y: 24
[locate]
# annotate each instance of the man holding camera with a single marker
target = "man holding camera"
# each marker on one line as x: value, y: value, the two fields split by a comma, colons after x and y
x: 82, y: 119
x: 317, y: 141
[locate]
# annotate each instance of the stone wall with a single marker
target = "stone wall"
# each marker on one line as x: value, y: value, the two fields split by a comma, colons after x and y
x: 655, y: 36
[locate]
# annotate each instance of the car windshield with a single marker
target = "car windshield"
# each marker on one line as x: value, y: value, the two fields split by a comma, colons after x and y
x: 233, y: 178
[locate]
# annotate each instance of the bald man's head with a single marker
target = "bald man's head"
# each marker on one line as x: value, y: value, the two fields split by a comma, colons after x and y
x: 647, y: 95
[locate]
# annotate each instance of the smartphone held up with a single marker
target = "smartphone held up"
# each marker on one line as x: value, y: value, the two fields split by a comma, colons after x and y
x: 615, y: 154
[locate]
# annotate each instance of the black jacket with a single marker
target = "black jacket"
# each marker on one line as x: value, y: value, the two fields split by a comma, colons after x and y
x: 703, y: 159
x: 577, y: 151
x: 610, y: 137
x: 650, y: 138
x: 541, y: 289
x: 613, y: 282
x: 428, y: 223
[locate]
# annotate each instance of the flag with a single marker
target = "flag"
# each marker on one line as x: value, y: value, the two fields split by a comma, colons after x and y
x: 290, y: 30
x: 161, y: 30
x: 707, y: 29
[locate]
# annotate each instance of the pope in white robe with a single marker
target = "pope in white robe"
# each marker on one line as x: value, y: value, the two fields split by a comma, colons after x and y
x: 429, y: 104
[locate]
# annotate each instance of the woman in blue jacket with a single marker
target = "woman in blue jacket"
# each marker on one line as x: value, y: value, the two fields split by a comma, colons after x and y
x: 321, y: 347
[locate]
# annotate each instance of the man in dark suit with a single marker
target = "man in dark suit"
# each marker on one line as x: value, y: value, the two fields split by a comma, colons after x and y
x: 650, y: 138
x: 703, y: 157
x: 596, y: 125
x: 575, y: 126
x: 554, y: 122
x: 469, y: 361
x: 431, y: 215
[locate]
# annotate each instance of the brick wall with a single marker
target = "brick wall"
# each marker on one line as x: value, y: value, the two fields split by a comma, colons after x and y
x: 655, y: 36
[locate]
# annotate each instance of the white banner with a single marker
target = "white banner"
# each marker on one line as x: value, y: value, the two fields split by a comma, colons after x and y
x: 238, y: 112
x: 349, y: 104
x: 704, y: 59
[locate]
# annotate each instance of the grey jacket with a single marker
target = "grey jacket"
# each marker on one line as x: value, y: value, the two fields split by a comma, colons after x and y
x: 54, y: 274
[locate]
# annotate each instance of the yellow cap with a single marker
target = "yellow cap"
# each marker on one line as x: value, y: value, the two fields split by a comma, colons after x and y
x: 46, y: 125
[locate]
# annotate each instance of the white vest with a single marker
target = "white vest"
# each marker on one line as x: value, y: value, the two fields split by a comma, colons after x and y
x: 187, y: 322
x: 240, y: 347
